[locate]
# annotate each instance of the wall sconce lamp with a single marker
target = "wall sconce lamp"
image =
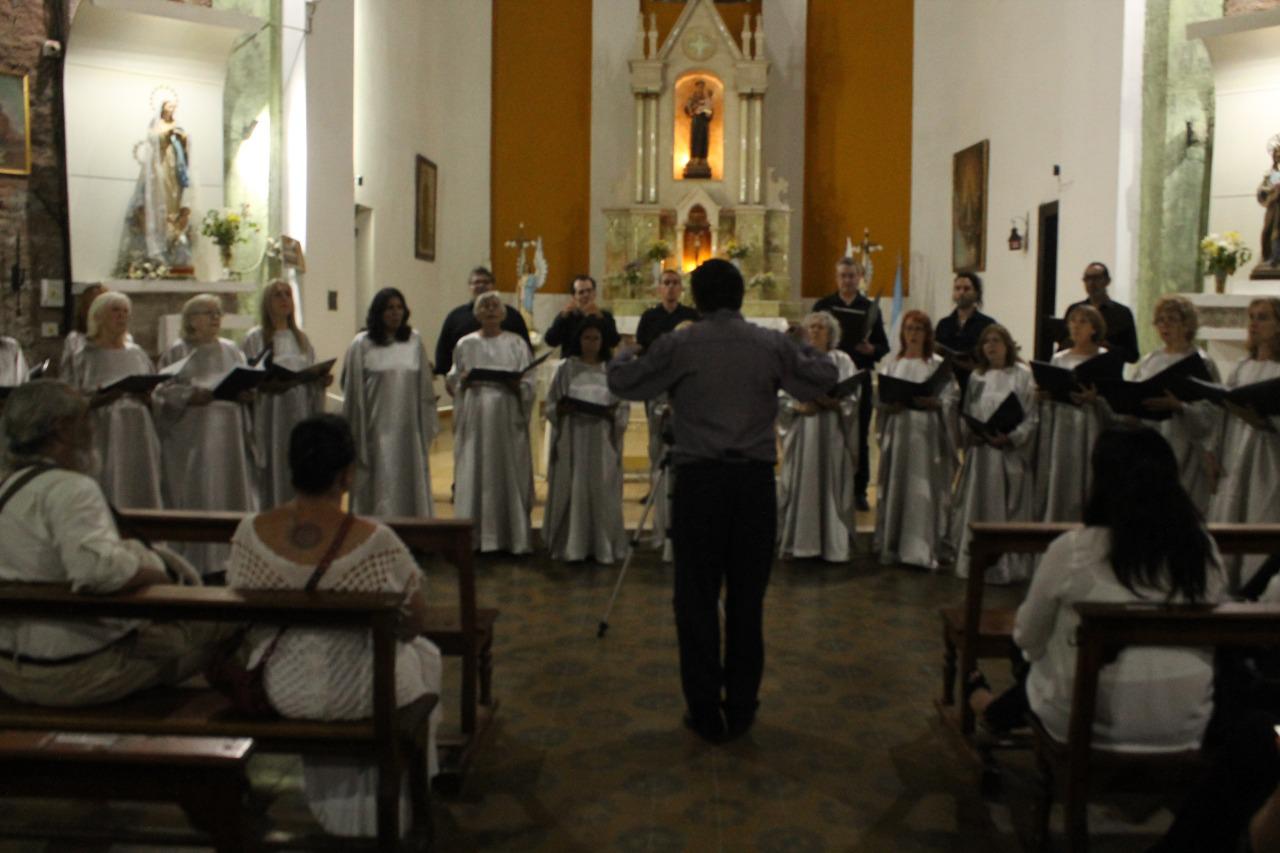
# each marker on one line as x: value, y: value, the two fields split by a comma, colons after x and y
x: 1019, y: 240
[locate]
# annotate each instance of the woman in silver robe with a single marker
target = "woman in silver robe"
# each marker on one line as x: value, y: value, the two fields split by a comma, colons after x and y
x: 1068, y: 431
x: 584, y: 481
x: 126, y: 445
x: 995, y: 480
x: 75, y: 339
x: 13, y: 364
x: 390, y: 402
x: 280, y: 406
x: 1191, y: 428
x: 816, y: 494
x: 917, y: 457
x: 1249, y: 486
x: 492, y: 464
x: 207, y: 444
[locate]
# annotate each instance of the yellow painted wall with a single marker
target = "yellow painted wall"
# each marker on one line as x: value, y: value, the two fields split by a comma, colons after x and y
x: 541, y: 139
x: 857, y: 136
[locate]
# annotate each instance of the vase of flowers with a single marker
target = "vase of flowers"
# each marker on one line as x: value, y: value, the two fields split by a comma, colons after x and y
x: 657, y: 253
x: 226, y: 228
x: 1222, y: 255
x: 735, y: 252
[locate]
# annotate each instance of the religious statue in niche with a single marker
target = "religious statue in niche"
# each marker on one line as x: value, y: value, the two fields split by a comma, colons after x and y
x: 159, y: 233
x: 1269, y: 198
x: 699, y: 108
x: 697, y: 238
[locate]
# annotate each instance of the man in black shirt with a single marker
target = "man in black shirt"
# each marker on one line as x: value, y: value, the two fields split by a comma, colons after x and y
x: 1122, y: 335
x: 655, y: 322
x: 462, y: 321
x: 564, y: 331
x: 961, y: 329
x: 862, y: 338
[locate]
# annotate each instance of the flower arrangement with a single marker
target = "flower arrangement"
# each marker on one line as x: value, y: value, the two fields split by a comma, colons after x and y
x: 658, y: 250
x: 140, y: 269
x: 228, y: 227
x: 762, y: 285
x: 1223, y: 254
x: 735, y: 251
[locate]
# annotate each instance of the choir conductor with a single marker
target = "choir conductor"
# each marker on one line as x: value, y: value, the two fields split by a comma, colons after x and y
x: 723, y: 375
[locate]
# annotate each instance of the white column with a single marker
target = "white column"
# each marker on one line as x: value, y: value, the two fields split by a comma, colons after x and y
x: 756, y: 148
x: 653, y: 148
x: 744, y: 117
x: 639, y: 196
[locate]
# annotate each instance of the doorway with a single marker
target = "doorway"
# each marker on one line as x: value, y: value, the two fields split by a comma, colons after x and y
x: 1047, y: 281
x: 364, y: 263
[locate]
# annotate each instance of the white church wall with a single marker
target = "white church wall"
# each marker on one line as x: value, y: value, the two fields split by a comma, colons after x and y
x: 422, y: 86
x: 613, y: 123
x: 1044, y: 81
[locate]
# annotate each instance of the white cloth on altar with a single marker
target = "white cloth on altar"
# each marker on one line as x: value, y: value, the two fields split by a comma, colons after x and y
x: 208, y: 451
x: 816, y: 493
x: 493, y: 466
x: 996, y: 483
x: 275, y: 415
x: 317, y: 674
x: 391, y: 405
x: 1064, y: 451
x: 917, y: 467
x: 1249, y: 488
x: 584, y: 480
x: 124, y: 432
x: 1192, y: 431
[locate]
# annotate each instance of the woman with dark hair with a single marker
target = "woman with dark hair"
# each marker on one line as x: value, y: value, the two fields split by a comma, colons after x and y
x: 280, y: 405
x: 584, y: 478
x: 1249, y: 489
x: 1143, y: 540
x: 75, y: 339
x: 816, y: 490
x: 995, y: 480
x: 917, y: 456
x: 493, y: 467
x: 318, y: 674
x: 1069, y: 430
x: 390, y: 402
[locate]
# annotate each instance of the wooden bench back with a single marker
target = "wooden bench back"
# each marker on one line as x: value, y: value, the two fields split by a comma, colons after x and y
x: 992, y: 540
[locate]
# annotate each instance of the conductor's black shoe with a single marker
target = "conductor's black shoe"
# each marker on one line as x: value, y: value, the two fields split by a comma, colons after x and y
x: 862, y: 504
x: 709, y: 728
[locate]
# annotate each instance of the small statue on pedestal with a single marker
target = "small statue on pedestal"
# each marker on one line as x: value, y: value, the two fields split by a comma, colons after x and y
x: 699, y: 108
x: 1269, y: 197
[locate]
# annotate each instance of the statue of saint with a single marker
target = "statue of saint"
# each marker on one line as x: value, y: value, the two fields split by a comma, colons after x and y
x: 159, y: 228
x: 1269, y: 197
x: 699, y: 108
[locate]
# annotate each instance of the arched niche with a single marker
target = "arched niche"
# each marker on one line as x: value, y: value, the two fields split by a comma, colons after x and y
x: 696, y: 92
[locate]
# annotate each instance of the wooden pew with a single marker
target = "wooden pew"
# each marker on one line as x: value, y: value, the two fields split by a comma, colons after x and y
x: 1106, y: 629
x: 395, y: 739
x: 992, y: 540
x: 464, y: 631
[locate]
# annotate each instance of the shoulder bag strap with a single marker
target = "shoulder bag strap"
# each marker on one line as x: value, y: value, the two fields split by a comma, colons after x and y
x: 21, y: 479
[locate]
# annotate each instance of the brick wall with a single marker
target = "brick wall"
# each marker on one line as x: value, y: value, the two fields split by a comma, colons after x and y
x: 1244, y: 7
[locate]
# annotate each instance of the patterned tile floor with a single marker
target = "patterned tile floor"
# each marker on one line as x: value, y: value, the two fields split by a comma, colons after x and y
x: 588, y: 752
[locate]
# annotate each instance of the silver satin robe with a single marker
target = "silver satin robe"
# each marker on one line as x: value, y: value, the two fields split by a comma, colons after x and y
x: 13, y: 364
x: 1191, y: 432
x: 275, y: 415
x: 1063, y: 452
x: 816, y: 494
x: 917, y: 469
x: 1249, y: 488
x: 208, y: 451
x: 995, y: 483
x: 124, y: 432
x: 391, y: 405
x: 584, y: 480
x: 492, y: 462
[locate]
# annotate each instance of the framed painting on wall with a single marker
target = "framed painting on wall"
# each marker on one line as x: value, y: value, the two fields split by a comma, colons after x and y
x: 15, y: 125
x: 969, y: 208
x: 424, y: 230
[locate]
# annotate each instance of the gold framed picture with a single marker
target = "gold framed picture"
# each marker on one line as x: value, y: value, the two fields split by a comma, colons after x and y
x: 425, y: 216
x: 15, y: 125
x: 969, y: 208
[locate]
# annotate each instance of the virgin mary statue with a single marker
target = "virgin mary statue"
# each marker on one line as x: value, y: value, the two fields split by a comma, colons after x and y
x: 159, y: 229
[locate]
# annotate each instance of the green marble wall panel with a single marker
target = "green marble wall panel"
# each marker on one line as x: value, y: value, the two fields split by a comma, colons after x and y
x: 1174, y: 183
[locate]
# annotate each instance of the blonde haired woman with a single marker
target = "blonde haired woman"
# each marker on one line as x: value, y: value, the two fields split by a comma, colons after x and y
x: 207, y: 443
x: 126, y: 445
x: 279, y: 407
